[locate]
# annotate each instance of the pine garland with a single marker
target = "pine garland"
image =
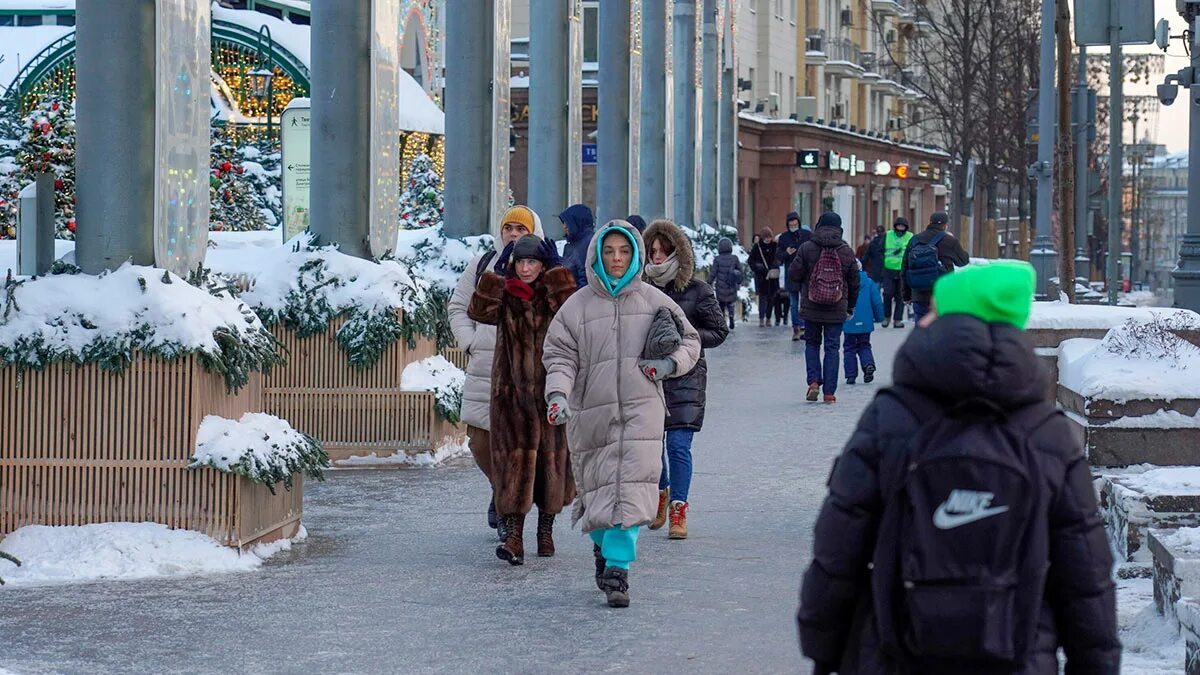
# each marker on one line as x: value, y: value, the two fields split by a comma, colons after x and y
x: 290, y: 453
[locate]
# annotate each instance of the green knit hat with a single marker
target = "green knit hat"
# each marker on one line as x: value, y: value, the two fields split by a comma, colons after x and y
x: 998, y: 292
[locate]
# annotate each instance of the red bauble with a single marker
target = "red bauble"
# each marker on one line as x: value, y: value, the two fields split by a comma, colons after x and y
x: 45, y: 157
x: 240, y: 170
x: 71, y: 224
x: 54, y: 106
x: 226, y: 166
x: 58, y: 184
x: 228, y: 195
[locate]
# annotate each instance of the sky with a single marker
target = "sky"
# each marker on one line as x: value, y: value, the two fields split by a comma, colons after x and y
x: 1173, y: 120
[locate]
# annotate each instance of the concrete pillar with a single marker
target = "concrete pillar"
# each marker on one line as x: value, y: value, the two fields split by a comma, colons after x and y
x: 114, y: 157
x: 684, y: 142
x: 468, y: 105
x: 727, y: 112
x: 549, y: 82
x: 652, y: 202
x: 340, y: 207
x: 710, y: 78
x: 612, y: 182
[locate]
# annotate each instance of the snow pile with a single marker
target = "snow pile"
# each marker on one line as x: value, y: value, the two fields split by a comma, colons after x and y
x: 1150, y: 643
x: 1137, y: 360
x: 105, y: 319
x: 1174, y: 481
x: 1163, y: 419
x: 705, y: 239
x: 441, y: 377
x: 437, y: 259
x: 444, y: 452
x: 260, y: 447
x: 73, y: 554
x: 1063, y: 316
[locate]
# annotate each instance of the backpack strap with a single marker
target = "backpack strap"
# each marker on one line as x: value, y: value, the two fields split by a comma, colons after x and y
x: 483, y: 265
x: 937, y: 238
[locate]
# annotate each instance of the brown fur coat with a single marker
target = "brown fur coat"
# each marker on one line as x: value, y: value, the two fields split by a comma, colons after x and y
x: 530, y: 460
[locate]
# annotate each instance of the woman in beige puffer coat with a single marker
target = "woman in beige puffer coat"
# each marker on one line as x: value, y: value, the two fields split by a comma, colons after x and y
x: 609, y: 397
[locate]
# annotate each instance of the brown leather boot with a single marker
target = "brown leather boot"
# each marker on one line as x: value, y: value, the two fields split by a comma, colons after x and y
x: 545, y: 535
x: 664, y: 500
x: 513, y: 548
x: 679, y: 528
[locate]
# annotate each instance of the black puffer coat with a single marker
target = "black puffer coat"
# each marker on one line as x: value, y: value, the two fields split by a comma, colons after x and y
x: 725, y: 275
x: 686, y: 396
x: 956, y: 359
x: 827, y: 236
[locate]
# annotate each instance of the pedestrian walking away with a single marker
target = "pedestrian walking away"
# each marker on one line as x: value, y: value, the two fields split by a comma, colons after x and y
x: 894, y: 244
x: 530, y: 461
x: 872, y: 260
x: 725, y: 276
x: 827, y: 273
x: 857, y: 342
x: 672, y: 269
x: 479, y: 340
x: 961, y: 533
x: 764, y: 262
x: 929, y: 256
x: 598, y: 384
x: 579, y: 224
x: 789, y: 245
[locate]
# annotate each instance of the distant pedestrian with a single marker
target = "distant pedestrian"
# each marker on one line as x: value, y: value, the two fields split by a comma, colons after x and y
x: 479, y: 340
x: 857, y: 344
x: 579, y: 224
x: 637, y: 221
x: 894, y: 245
x: 530, y: 461
x: 599, y: 386
x: 961, y: 532
x: 764, y: 262
x: 725, y: 276
x: 789, y: 245
x: 672, y: 270
x: 929, y: 256
x: 828, y: 276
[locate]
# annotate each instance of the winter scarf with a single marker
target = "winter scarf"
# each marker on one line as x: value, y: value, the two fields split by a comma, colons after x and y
x: 614, y: 286
x: 518, y: 289
x: 665, y: 272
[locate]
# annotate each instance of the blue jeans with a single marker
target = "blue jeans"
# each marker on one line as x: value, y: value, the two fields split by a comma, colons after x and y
x: 813, y: 334
x: 679, y: 463
x: 794, y: 298
x: 858, y: 348
x: 919, y: 309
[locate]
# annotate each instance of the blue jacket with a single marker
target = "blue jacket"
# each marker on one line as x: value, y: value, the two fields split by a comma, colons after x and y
x: 580, y: 225
x: 868, y: 309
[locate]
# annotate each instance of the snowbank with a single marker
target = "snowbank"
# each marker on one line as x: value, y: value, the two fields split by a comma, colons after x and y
x: 440, y: 454
x: 441, y: 377
x: 73, y: 554
x: 1134, y: 361
x: 1150, y: 643
x: 1163, y: 419
x: 8, y: 253
x: 437, y: 259
x: 261, y: 447
x: 1063, y: 316
x: 1171, y: 480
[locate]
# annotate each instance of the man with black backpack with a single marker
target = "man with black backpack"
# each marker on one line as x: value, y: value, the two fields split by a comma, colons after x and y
x: 961, y: 532
x: 929, y: 256
x: 826, y: 272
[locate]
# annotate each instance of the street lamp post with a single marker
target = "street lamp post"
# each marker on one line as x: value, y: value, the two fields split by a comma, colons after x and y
x: 1187, y: 272
x: 261, y: 79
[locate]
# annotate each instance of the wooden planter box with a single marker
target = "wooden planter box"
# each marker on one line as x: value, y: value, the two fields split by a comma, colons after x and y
x: 354, y: 412
x: 456, y: 356
x: 81, y: 445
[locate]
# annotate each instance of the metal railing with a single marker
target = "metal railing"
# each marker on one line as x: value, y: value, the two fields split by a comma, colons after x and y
x: 843, y: 49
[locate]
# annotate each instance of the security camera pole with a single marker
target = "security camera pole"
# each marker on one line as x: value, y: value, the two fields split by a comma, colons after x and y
x: 1187, y: 273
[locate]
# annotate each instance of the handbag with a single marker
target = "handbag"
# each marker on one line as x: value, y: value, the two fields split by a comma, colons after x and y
x: 772, y: 273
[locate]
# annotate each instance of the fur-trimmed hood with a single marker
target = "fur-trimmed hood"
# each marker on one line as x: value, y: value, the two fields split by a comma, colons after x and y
x: 683, y: 249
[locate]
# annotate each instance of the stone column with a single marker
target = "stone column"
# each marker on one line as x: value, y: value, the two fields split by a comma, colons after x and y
x: 727, y: 112
x: 549, y: 82
x: 652, y: 202
x: 684, y: 85
x: 711, y: 74
x: 612, y: 182
x: 468, y: 105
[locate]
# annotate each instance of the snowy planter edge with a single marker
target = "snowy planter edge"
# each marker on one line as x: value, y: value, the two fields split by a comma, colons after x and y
x: 259, y: 447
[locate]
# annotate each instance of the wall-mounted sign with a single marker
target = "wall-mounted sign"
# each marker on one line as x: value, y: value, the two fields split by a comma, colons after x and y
x: 902, y: 171
x: 808, y: 159
x: 590, y: 153
x: 852, y: 164
x: 295, y: 130
x: 882, y: 168
x: 924, y: 170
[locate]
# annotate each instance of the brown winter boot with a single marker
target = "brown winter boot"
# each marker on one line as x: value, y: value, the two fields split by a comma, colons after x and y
x: 513, y: 548
x: 545, y: 535
x: 664, y: 500
x: 830, y: 398
x: 679, y: 520
x: 797, y: 333
x: 813, y: 390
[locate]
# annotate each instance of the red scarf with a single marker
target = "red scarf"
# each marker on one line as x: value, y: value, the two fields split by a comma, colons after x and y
x: 518, y: 289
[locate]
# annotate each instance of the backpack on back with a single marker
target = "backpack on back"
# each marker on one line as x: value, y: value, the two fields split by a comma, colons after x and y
x: 826, y: 285
x: 924, y: 265
x: 960, y: 562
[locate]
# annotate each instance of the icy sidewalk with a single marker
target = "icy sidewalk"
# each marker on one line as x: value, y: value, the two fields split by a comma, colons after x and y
x: 1150, y: 643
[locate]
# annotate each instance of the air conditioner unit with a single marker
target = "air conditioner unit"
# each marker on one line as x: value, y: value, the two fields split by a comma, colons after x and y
x: 816, y: 43
x: 774, y: 101
x: 847, y: 17
x: 761, y: 105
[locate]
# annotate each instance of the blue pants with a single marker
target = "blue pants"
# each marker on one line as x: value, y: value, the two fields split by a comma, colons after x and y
x: 813, y: 334
x: 679, y: 463
x: 794, y: 298
x: 919, y: 309
x: 858, y: 348
x: 617, y: 544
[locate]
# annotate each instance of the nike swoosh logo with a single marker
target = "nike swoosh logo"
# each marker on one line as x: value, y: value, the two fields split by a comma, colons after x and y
x: 948, y: 521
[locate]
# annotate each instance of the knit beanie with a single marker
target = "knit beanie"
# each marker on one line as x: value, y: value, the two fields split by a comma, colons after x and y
x: 528, y: 247
x: 520, y: 215
x: 829, y: 219
x: 998, y: 292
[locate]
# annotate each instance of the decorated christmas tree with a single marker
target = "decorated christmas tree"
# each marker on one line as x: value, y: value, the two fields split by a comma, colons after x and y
x: 232, y: 205
x: 421, y: 199
x: 10, y: 186
x: 48, y: 146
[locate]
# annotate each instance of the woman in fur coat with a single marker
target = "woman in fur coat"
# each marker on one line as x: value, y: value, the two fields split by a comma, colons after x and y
x: 530, y: 461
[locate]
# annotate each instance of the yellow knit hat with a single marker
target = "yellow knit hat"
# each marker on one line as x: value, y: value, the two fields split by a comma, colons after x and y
x: 519, y: 215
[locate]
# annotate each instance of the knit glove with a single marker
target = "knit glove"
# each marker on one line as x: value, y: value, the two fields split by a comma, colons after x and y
x: 502, y: 260
x: 657, y: 370
x: 558, y: 410
x: 550, y: 255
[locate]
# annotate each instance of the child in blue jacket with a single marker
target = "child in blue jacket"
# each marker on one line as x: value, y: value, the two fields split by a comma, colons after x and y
x: 858, y: 329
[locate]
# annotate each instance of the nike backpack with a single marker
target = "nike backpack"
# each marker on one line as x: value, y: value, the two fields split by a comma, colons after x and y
x: 924, y: 266
x: 826, y: 284
x: 959, y: 567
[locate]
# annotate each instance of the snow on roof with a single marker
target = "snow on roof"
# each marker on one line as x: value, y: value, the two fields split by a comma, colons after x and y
x: 20, y: 45
x: 1063, y: 316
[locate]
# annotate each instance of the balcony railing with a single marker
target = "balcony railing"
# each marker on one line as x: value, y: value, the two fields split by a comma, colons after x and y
x: 815, y: 40
x: 843, y: 49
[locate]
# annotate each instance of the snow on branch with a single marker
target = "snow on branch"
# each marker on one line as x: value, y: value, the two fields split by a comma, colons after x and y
x: 441, y: 377
x: 261, y: 447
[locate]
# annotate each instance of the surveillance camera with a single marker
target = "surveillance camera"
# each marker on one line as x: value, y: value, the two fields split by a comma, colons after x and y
x: 1167, y: 93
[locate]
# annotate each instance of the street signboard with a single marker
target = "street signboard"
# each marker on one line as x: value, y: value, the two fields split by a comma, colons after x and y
x: 808, y: 159
x: 296, y: 132
x: 1093, y: 19
x: 590, y: 154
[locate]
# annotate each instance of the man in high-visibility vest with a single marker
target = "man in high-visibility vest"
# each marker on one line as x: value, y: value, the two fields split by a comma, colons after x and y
x: 895, y: 243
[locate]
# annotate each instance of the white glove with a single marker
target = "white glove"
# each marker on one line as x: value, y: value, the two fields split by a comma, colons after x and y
x: 558, y: 410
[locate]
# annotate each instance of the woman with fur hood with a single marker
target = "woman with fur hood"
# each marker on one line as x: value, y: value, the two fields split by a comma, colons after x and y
x: 530, y: 461
x: 672, y: 270
x: 598, y: 384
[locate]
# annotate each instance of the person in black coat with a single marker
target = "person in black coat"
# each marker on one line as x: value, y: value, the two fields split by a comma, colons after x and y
x: 824, y: 322
x: 579, y: 225
x: 950, y: 253
x: 872, y: 260
x: 789, y: 245
x: 725, y: 276
x: 671, y: 268
x: 971, y: 354
x: 764, y: 263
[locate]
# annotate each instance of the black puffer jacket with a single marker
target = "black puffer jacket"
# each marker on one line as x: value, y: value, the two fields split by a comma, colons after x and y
x: 956, y: 359
x: 802, y: 267
x: 686, y: 396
